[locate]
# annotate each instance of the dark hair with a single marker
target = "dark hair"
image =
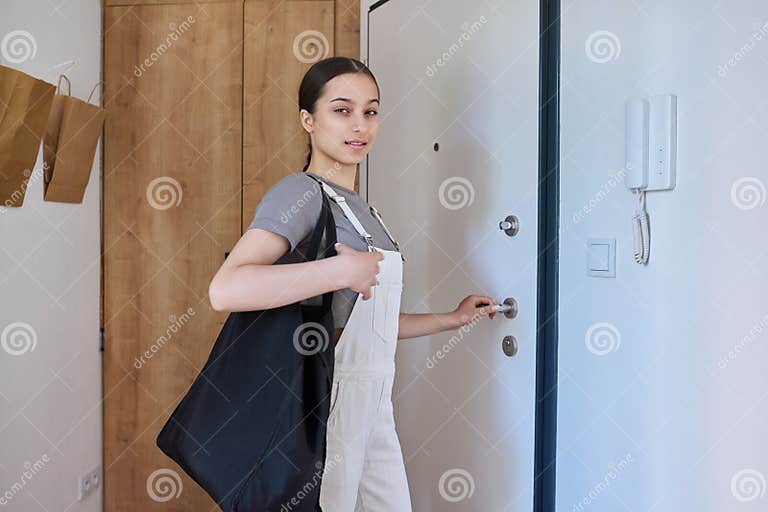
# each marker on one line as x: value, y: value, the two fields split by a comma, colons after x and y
x: 318, y: 75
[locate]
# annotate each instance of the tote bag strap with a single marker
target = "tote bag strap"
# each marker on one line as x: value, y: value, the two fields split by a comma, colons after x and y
x: 327, y: 224
x: 324, y: 224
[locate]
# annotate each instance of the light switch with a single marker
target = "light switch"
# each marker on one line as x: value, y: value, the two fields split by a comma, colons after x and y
x: 601, y: 257
x: 598, y: 256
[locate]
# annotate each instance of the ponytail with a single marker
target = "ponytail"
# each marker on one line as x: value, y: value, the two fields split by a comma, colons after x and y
x: 309, y: 157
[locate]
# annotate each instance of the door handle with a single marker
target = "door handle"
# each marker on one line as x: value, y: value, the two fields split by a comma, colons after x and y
x: 510, y: 225
x: 508, y: 307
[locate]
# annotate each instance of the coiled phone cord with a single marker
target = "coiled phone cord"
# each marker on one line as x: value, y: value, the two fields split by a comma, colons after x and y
x: 641, y: 229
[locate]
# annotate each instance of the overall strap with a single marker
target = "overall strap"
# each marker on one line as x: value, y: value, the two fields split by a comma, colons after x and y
x: 342, y: 202
x: 375, y: 213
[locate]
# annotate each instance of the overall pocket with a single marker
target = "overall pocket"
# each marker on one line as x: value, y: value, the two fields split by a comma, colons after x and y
x: 335, y: 392
x: 386, y: 310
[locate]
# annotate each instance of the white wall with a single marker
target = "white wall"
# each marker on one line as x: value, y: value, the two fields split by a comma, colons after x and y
x: 50, y: 394
x: 667, y: 420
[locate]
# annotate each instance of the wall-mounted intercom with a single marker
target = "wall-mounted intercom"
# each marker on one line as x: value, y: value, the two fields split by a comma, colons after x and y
x: 650, y: 157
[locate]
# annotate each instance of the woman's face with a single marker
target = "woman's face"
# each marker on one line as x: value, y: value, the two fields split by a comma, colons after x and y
x: 346, y: 113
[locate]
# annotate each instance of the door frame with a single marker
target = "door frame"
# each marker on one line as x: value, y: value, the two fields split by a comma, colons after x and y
x: 545, y: 450
x: 545, y: 454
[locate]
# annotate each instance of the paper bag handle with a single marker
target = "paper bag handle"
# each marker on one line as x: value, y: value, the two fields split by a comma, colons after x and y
x: 69, y: 85
x: 93, y: 91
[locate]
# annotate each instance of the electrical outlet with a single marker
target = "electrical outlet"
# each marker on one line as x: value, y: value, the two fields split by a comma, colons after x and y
x: 89, y: 482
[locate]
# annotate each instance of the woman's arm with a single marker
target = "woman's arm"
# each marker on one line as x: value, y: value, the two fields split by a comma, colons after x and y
x: 413, y: 325
x: 248, y: 280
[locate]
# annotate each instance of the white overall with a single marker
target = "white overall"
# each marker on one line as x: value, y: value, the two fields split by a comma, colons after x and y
x: 364, y: 468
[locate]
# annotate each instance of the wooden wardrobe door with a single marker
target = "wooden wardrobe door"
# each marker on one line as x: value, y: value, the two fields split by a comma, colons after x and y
x: 282, y: 41
x: 172, y: 207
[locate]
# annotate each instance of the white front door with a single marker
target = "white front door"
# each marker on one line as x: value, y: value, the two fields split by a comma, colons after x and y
x: 457, y: 152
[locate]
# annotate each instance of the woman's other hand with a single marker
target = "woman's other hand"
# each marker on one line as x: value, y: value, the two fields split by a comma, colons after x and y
x: 360, y: 268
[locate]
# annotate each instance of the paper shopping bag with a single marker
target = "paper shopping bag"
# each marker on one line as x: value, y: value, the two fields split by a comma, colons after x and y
x: 74, y: 128
x: 25, y: 103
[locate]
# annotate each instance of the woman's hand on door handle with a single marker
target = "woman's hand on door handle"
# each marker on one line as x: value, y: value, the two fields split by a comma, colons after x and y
x: 471, y: 307
x: 413, y: 325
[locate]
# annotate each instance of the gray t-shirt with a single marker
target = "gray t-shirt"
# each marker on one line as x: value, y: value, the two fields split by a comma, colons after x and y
x: 291, y: 208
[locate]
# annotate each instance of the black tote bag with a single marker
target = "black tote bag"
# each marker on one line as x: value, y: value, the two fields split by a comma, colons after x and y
x: 251, y: 430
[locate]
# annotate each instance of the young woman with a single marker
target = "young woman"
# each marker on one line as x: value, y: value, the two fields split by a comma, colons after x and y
x: 339, y: 108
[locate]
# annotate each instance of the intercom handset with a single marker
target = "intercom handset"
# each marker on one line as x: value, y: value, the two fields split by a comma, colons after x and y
x: 650, y: 158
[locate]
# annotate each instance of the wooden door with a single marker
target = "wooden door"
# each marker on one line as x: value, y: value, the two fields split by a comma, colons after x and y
x: 281, y: 42
x: 202, y: 100
x: 172, y: 207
